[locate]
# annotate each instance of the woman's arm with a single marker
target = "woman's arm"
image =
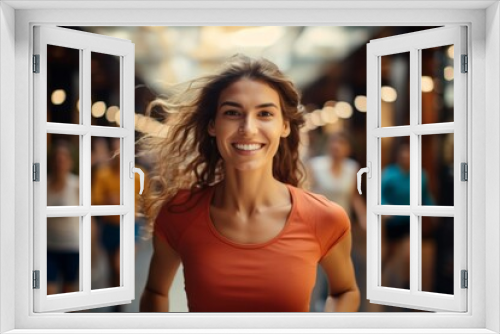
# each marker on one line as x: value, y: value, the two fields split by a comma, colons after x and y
x: 343, y: 290
x: 359, y: 206
x: 164, y: 265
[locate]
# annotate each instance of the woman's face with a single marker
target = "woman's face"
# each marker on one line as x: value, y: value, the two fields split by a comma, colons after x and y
x: 248, y: 125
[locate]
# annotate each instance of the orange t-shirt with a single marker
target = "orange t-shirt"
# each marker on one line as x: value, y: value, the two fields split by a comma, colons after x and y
x: 276, y: 276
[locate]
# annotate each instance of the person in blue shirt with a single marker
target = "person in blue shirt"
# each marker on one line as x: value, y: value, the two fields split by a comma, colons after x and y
x: 395, y: 190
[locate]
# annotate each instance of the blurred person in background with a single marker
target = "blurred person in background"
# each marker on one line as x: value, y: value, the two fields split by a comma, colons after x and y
x: 395, y: 190
x: 334, y: 176
x: 63, y: 233
x: 225, y: 200
x: 106, y: 191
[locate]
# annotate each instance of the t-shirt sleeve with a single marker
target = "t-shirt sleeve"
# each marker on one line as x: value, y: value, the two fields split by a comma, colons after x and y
x: 174, y: 218
x: 164, y: 227
x: 332, y: 225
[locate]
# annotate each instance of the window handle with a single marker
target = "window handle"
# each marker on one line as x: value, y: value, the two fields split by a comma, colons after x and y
x: 138, y: 171
x: 367, y: 170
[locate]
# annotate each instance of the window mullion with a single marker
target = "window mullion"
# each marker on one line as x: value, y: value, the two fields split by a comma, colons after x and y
x: 415, y: 157
x: 85, y: 237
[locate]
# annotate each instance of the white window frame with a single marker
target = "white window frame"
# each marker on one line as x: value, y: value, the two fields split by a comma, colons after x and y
x: 483, y: 21
x: 414, y: 44
x: 86, y: 44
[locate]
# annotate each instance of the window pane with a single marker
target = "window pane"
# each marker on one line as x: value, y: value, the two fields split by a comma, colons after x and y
x: 396, y: 251
x: 437, y: 84
x: 63, y: 181
x: 63, y: 255
x: 105, y: 171
x: 395, y: 180
x: 437, y: 170
x: 437, y: 254
x: 395, y: 89
x: 105, y: 253
x: 105, y: 83
x: 63, y: 85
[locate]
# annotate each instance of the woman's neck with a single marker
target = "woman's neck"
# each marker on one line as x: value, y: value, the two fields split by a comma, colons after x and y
x: 248, y: 192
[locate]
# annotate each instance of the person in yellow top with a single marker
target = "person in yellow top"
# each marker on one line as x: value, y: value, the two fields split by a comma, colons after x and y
x: 106, y: 191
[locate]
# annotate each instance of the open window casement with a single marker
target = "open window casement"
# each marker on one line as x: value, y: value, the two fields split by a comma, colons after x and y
x: 390, y: 122
x: 79, y: 130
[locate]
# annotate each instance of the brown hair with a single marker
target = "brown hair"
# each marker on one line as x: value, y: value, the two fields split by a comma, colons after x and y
x: 185, y: 156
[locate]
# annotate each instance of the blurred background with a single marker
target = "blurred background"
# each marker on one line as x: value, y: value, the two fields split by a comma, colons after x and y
x: 328, y: 65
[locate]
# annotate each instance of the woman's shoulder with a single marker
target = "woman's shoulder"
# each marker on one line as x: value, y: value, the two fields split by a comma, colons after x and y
x: 315, y: 203
x: 328, y: 220
x: 177, y: 214
x: 185, y: 201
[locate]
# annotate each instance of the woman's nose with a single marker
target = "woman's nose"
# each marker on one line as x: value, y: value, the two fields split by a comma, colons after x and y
x: 248, y: 126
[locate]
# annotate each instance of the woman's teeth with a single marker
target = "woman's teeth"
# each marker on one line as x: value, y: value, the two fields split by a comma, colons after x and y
x: 248, y: 147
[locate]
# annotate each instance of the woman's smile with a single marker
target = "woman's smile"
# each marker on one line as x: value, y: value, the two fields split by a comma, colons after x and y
x: 247, y: 149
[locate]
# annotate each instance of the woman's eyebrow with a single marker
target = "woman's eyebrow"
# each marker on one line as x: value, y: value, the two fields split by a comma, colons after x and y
x: 235, y: 104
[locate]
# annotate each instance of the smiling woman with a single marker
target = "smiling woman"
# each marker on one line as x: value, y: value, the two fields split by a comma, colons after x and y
x: 225, y: 200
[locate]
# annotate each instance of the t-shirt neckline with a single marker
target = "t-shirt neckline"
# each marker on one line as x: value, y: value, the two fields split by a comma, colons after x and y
x: 230, y: 242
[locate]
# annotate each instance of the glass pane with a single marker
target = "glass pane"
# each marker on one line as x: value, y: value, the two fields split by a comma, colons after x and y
x: 395, y: 89
x: 437, y: 170
x: 396, y: 252
x: 105, y: 83
x: 437, y: 84
x: 105, y: 171
x: 63, y: 85
x: 63, y: 181
x: 395, y: 180
x: 63, y: 255
x: 437, y: 254
x: 105, y: 252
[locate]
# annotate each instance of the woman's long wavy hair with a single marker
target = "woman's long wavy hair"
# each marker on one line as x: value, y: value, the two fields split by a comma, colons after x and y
x: 185, y: 156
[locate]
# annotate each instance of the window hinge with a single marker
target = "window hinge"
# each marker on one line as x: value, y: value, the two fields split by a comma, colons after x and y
x: 36, y: 279
x: 465, y: 64
x: 465, y: 279
x: 36, y: 172
x: 464, y: 172
x: 36, y: 63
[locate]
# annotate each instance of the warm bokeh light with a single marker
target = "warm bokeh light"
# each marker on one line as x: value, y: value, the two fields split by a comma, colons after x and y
x: 111, y: 114
x: 360, y: 103
x: 448, y: 73
x: 316, y: 118
x: 58, y: 97
x: 98, y: 109
x: 328, y: 115
x: 257, y: 36
x: 343, y: 109
x: 78, y: 105
x: 117, y: 118
x: 388, y: 94
x: 427, y: 84
x: 451, y: 51
x: 112, y: 111
x: 329, y: 103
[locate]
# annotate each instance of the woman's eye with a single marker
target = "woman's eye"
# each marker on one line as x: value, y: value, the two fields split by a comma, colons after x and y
x: 266, y: 114
x: 231, y: 113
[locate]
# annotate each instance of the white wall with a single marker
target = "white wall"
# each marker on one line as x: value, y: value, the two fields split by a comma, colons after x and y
x: 7, y: 160
x: 492, y: 149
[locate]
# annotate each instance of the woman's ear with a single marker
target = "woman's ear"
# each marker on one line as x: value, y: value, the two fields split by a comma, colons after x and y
x: 286, y: 129
x: 211, y: 128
